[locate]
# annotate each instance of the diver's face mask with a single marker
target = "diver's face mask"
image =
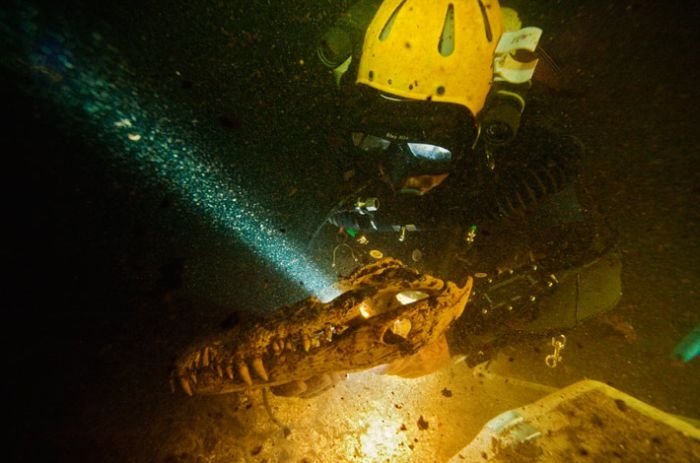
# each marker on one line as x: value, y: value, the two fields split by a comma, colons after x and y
x: 407, y: 167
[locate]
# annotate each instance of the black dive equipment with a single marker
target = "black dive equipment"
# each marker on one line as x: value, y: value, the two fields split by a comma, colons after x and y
x: 500, y: 118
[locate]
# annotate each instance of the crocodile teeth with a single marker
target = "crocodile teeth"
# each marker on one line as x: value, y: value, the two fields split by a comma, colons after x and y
x: 259, y: 368
x: 229, y: 372
x: 193, y: 377
x: 290, y: 346
x: 307, y: 343
x: 219, y: 370
x: 186, y: 386
x: 196, y: 359
x: 276, y: 347
x: 245, y: 373
x: 329, y: 334
x: 205, y: 357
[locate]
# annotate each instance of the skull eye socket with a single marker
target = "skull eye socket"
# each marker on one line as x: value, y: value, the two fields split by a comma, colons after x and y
x: 397, y: 331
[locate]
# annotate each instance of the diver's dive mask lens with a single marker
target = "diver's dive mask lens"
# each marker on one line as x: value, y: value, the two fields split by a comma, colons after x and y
x: 407, y: 167
x: 423, y: 152
x: 429, y: 168
x: 428, y: 152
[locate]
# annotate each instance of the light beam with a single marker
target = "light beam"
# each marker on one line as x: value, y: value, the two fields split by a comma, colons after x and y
x: 92, y: 84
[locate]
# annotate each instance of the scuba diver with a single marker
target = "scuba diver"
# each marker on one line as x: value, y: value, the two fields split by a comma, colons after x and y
x: 456, y: 172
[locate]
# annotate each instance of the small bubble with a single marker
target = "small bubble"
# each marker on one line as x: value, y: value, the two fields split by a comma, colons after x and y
x: 123, y: 123
x: 417, y: 255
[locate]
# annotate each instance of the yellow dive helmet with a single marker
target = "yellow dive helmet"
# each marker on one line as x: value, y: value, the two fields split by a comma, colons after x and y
x: 436, y: 50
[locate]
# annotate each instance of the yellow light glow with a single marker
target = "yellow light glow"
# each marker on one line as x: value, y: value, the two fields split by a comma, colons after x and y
x: 409, y: 296
x: 382, y: 440
x: 365, y: 310
x: 401, y: 327
x: 373, y: 417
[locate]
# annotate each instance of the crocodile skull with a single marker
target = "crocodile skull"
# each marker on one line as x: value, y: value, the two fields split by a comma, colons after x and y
x: 387, y: 312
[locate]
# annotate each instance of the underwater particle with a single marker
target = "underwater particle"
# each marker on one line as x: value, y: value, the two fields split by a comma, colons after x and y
x: 446, y: 392
x: 121, y: 123
x: 134, y: 137
x: 376, y: 253
x: 621, y: 405
x: 256, y: 450
x: 422, y: 423
x: 416, y: 255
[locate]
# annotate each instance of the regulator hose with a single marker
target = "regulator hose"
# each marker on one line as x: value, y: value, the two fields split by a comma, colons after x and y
x: 523, y: 188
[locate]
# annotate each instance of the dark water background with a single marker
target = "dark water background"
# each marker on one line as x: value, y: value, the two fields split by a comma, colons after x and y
x: 107, y: 271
